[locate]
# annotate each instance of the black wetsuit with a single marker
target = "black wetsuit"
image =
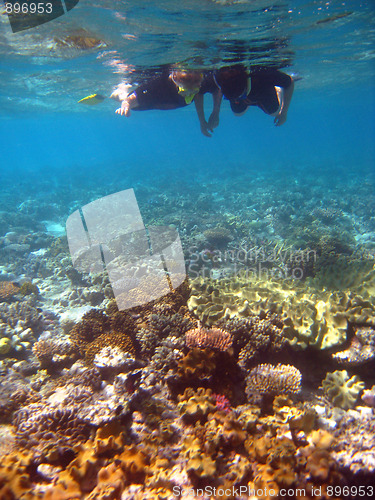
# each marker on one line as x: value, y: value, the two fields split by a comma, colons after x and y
x: 263, y: 93
x: 158, y: 93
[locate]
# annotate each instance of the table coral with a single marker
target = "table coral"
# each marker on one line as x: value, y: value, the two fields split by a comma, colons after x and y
x: 343, y: 390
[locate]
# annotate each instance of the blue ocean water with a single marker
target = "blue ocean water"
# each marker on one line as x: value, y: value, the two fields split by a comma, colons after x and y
x: 304, y: 190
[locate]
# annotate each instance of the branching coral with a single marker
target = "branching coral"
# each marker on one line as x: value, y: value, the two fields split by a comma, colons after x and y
x: 255, y: 337
x: 342, y: 390
x: 54, y: 353
x: 271, y: 380
x: 97, y: 330
x: 208, y: 338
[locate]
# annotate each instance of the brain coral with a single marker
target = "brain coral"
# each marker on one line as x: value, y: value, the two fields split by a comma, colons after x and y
x: 311, y: 317
x: 271, y: 380
x: 208, y: 338
x: 342, y: 390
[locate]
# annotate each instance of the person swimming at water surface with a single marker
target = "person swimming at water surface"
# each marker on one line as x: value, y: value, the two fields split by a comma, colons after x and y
x: 229, y: 82
x: 170, y: 90
x: 271, y: 91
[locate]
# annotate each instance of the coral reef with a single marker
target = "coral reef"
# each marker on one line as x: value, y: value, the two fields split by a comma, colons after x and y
x: 361, y: 349
x: 255, y: 338
x: 8, y: 289
x: 271, y: 380
x: 19, y: 322
x: 311, y: 317
x: 354, y: 445
x: 50, y: 434
x: 218, y: 236
x: 97, y: 330
x: 53, y: 354
x: 212, y: 338
x: 135, y: 404
x: 343, y: 390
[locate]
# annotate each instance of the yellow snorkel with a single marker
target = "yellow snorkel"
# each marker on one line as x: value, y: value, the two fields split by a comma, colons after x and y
x: 188, y: 83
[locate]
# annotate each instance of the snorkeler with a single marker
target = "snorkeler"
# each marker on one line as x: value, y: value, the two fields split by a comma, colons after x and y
x: 271, y: 90
x: 171, y: 90
x: 230, y: 82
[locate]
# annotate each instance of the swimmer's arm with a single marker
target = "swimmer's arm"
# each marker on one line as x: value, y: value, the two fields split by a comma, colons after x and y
x: 199, y: 107
x: 213, y: 121
x: 281, y: 117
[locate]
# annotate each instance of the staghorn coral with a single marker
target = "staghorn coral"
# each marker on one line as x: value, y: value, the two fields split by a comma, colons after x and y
x: 212, y: 338
x: 342, y: 390
x: 271, y: 380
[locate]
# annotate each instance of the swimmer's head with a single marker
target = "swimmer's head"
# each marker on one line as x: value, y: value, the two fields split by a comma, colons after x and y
x: 233, y: 81
x: 238, y: 106
x: 188, y: 82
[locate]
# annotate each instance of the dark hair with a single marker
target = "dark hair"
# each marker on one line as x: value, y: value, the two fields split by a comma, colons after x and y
x: 238, y: 106
x: 232, y: 81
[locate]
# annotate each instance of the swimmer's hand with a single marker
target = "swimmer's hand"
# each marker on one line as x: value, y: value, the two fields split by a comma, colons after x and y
x: 125, y: 108
x: 213, y: 121
x: 205, y: 128
x: 280, y: 119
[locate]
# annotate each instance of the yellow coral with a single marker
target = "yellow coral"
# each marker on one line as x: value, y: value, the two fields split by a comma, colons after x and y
x: 311, y: 316
x: 196, y: 405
